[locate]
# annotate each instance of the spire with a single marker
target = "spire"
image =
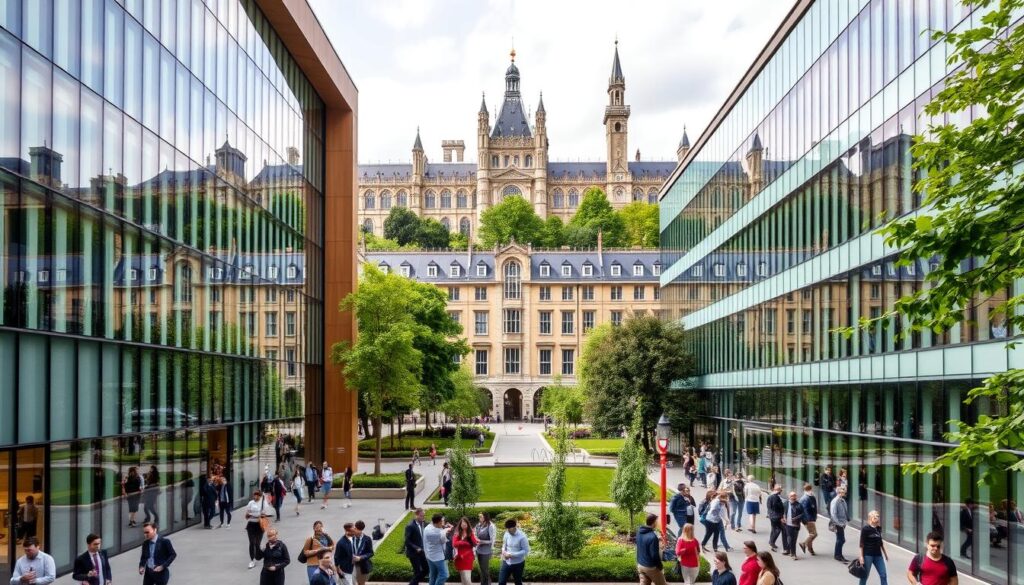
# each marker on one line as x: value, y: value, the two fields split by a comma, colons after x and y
x: 684, y: 142
x: 512, y: 77
x: 540, y: 104
x: 617, y: 66
x: 483, y: 103
x: 755, y: 145
x: 418, y: 145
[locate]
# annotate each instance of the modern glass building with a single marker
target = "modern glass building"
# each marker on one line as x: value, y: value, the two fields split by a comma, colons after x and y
x: 769, y: 236
x: 163, y: 194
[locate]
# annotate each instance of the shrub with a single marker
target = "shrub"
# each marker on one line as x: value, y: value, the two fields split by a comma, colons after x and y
x: 365, y: 480
x: 465, y: 488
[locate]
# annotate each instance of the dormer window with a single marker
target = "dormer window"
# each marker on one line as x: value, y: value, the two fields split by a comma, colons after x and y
x: 741, y: 269
x: 638, y: 270
x: 455, y: 271
x: 247, y: 272
x: 588, y: 270
x: 152, y: 275
x: 762, y: 269
x: 432, y: 271
x: 384, y: 268
x: 292, y: 272
x: 481, y: 269
x: 43, y: 276
x: 62, y: 275
x: 566, y: 270
x: 134, y: 274
x: 911, y: 269
x: 272, y: 272
x: 545, y: 270
x: 656, y: 269
x: 719, y: 269
x: 214, y: 273
x: 405, y: 270
x: 616, y: 270
x: 876, y: 270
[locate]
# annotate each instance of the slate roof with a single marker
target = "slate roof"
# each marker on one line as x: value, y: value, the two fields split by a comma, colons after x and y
x: 419, y: 265
x: 511, y: 120
x: 276, y: 173
x: 652, y: 168
x: 569, y: 170
x: 617, y: 66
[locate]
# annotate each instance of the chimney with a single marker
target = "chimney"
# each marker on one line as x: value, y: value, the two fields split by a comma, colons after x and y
x: 450, y: 146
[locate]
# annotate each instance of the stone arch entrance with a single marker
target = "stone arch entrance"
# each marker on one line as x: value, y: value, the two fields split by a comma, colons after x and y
x: 538, y: 400
x: 513, y: 405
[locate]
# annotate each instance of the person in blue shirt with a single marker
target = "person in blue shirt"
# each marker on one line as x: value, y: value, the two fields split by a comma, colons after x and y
x: 514, y: 548
x: 648, y: 553
x: 679, y: 507
x: 722, y: 575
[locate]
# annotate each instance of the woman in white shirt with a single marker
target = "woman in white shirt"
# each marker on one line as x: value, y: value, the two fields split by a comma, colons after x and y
x: 255, y: 511
x: 297, y: 484
x: 752, y: 500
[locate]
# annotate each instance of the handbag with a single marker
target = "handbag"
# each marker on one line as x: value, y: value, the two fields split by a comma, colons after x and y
x: 264, y: 523
x: 857, y: 569
x: 831, y: 526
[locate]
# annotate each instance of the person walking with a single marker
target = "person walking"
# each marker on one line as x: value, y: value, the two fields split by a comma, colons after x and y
x: 827, y: 483
x: 362, y: 553
x: 711, y: 526
x: 713, y: 478
x: 775, y: 509
x: 648, y: 553
x: 769, y: 574
x: 346, y: 487
x: 92, y: 567
x: 298, y: 482
x: 688, y: 553
x: 679, y: 505
x: 749, y: 570
x: 722, y: 574
x: 326, y: 483
x: 312, y: 477
x: 872, y: 549
x: 702, y: 471
x: 414, y: 547
x: 257, y: 515
x: 839, y: 517
x: 344, y: 553
x: 207, y: 500
x: 324, y: 573
x: 156, y: 556
x: 691, y: 510
x: 416, y: 457
x: 35, y: 566
x: 933, y: 567
x: 435, y: 538
x: 225, y: 500
x: 514, y: 548
x: 150, y: 491
x: 791, y: 520
x: 738, y: 501
x: 280, y: 493
x: 967, y: 527
x: 410, y: 488
x: 433, y: 454
x: 319, y: 542
x: 723, y: 519
x: 275, y: 559
x: 463, y: 543
x: 131, y: 489
x: 810, y: 505
x: 752, y: 496
x: 446, y: 482
x: 485, y: 536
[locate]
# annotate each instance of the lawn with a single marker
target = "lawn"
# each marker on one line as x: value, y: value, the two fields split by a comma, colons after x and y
x: 521, y: 484
x: 403, y: 445
x: 601, y: 444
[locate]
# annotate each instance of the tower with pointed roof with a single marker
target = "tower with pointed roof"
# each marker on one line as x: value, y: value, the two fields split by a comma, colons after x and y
x: 616, y: 117
x: 419, y: 165
x: 684, y: 146
x: 755, y: 160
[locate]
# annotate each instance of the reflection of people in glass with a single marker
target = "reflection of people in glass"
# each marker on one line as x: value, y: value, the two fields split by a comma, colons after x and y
x: 862, y: 483
x: 131, y: 488
x: 28, y: 518
x: 998, y: 328
x: 187, y: 493
x: 149, y: 494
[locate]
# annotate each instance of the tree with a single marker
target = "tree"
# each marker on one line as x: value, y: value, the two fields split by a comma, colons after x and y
x: 594, y: 215
x: 971, y: 223
x: 439, y: 341
x: 465, y: 486
x: 431, y: 234
x: 379, y: 244
x: 513, y: 218
x: 458, y: 241
x: 641, y: 224
x: 563, y: 403
x: 465, y: 400
x: 382, y: 365
x: 401, y: 225
x: 553, y: 233
x: 630, y: 489
x: 559, y: 518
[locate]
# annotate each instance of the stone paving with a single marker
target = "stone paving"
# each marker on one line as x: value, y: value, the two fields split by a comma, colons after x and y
x: 220, y: 555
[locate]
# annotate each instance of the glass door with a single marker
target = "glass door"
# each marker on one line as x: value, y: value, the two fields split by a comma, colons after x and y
x: 7, y: 528
x: 22, y: 489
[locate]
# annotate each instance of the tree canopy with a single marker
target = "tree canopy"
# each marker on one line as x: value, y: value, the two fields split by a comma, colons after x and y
x: 513, y: 218
x: 465, y: 402
x: 439, y: 341
x: 641, y: 224
x: 595, y: 214
x: 401, y: 225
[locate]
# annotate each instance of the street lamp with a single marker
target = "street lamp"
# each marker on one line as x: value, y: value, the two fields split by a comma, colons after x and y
x: 663, y: 431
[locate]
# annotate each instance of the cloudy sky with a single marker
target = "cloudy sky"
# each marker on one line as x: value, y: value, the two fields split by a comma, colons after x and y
x: 425, y: 63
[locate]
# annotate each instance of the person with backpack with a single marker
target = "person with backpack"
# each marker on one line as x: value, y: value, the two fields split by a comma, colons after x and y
x: 315, y: 544
x: 679, y: 506
x: 280, y: 491
x: 709, y: 528
x: 775, y: 510
x: 737, y: 499
x: 810, y: 506
x: 933, y: 567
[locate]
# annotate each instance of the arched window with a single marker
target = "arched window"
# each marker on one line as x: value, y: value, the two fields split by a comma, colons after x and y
x: 652, y: 195
x: 446, y: 199
x: 557, y: 199
x: 494, y: 161
x: 402, y: 200
x: 618, y: 126
x: 447, y: 223
x: 574, y: 198
x: 515, y: 160
x: 528, y: 161
x: 367, y: 225
x: 183, y: 284
x: 511, y: 191
x: 430, y: 200
x: 461, y: 201
x: 638, y: 194
x: 369, y: 201
x: 513, y: 280
x: 385, y: 199
x: 464, y: 226
x: 620, y: 194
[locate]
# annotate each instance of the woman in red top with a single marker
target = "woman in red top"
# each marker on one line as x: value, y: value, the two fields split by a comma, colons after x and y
x: 463, y: 543
x: 750, y: 570
x: 688, y: 551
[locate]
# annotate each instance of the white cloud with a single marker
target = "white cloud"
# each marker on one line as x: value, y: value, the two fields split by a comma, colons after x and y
x: 425, y: 63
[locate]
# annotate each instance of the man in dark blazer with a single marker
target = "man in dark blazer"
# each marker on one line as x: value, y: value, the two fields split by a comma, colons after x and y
x: 343, y: 554
x: 792, y: 518
x: 410, y: 488
x: 776, y: 509
x: 157, y: 555
x: 207, y: 499
x: 967, y: 527
x: 414, y: 547
x: 92, y: 566
x: 362, y: 552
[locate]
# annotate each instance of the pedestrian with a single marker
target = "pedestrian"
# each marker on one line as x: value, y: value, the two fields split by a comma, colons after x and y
x: 435, y: 538
x: 326, y: 482
x: 312, y: 477
x: 414, y: 547
x: 91, y: 567
x: 324, y: 573
x: 27, y: 517
x: 679, y: 505
x: 297, y: 484
x: 711, y: 527
x: 362, y: 553
x: 691, y: 510
x: 737, y: 501
x: 843, y: 480
x: 224, y: 500
x: 257, y: 516
x: 872, y: 548
x: 344, y: 552
x: 319, y: 542
x: 827, y: 483
x: 967, y: 527
x: 648, y: 553
x: 723, y: 518
x: 713, y: 478
x: 275, y: 559
x: 416, y: 457
x: 280, y: 491
x: 346, y: 487
x: 131, y: 488
x: 150, y: 491
x: 485, y: 535
x: 810, y: 505
x: 702, y: 471
x: 933, y: 567
x: 156, y: 556
x: 410, y: 488
x: 722, y: 574
x: 749, y: 570
x: 769, y: 574
x: 839, y: 517
x: 433, y: 455
x: 514, y: 549
x: 775, y: 510
x: 688, y: 553
x: 446, y: 482
x: 791, y: 520
x: 752, y: 495
x: 35, y: 566
x: 463, y: 543
x: 207, y: 500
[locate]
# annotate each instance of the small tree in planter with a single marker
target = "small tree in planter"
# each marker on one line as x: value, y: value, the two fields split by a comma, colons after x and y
x: 561, y: 522
x: 630, y: 489
x: 465, y: 487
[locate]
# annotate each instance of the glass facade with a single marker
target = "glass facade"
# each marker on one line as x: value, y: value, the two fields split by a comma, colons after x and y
x: 161, y: 251
x: 769, y: 238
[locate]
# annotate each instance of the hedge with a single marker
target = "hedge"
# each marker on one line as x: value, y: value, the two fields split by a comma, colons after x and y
x: 603, y: 452
x: 441, y: 436
x: 365, y: 480
x: 600, y: 563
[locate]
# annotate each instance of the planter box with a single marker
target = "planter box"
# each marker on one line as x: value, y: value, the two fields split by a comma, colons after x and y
x: 376, y: 493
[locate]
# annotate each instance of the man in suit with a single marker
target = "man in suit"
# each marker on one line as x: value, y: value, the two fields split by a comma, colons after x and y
x: 775, y: 511
x: 207, y: 499
x: 362, y: 552
x: 343, y: 554
x: 410, y: 488
x: 157, y: 555
x: 792, y: 517
x: 414, y: 547
x: 967, y: 527
x: 92, y: 566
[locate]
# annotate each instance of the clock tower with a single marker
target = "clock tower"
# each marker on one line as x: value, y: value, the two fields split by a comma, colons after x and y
x: 616, y: 117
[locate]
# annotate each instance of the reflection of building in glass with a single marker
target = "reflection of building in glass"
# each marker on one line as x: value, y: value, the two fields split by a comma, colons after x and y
x: 763, y: 281
x: 162, y: 197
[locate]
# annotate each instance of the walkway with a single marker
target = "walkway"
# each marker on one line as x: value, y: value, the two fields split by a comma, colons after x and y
x: 519, y: 443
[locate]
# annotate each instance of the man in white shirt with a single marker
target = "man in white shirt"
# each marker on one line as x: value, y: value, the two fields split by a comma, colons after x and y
x: 35, y: 567
x: 435, y: 537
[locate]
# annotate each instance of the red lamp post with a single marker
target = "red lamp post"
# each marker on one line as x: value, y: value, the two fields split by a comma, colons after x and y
x: 663, y: 432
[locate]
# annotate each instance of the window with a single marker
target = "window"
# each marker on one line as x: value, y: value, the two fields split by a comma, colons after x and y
x: 289, y: 323
x: 657, y: 293
x: 568, y: 322
x: 494, y: 161
x: 511, y: 190
x: 461, y: 201
x: 250, y: 323
x: 432, y: 271
x: 513, y: 321
x: 511, y: 360
x: 805, y: 321
x: 741, y: 269
x: 62, y: 275
x: 557, y: 199
x: 385, y: 200
x: 270, y: 295
x: 566, y: 270
x: 790, y: 321
x: 616, y: 270
x: 912, y: 269
x: 545, y: 293
x: 406, y: 270
x: 446, y: 199
x: 481, y: 362
x: 291, y: 295
x: 289, y: 356
x: 769, y: 321
x: 588, y: 293
x: 480, y: 293
x: 805, y: 294
x: 384, y: 268
x: 454, y: 271
x: 480, y: 322
x: 638, y: 270
x: 588, y: 269
x: 513, y: 284
x: 638, y: 293
x: 430, y: 200
x: 567, y: 362
x: 574, y: 198
x: 272, y: 272
x: 292, y: 272
x: 151, y: 275
x: 455, y: 316
x: 545, y: 362
x: 247, y: 272
x: 134, y: 274
x: 588, y: 321
x: 656, y: 269
x: 271, y: 328
x: 446, y: 224
x: 545, y: 322
x: 719, y: 269
x: 545, y: 270
x: 402, y: 200
x: 876, y: 270
x: 616, y: 293
x: 481, y: 269
x: 616, y: 318
x: 697, y: 271
x: 876, y: 290
x: 762, y: 268
x: 453, y: 293
x: 368, y: 225
x: 369, y: 201
x: 693, y: 292
x: 566, y: 293
x: 464, y: 226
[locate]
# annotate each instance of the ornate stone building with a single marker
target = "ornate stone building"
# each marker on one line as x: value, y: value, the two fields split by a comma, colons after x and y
x: 512, y: 160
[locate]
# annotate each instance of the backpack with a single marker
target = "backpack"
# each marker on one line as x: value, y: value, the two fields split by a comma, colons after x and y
x: 702, y: 510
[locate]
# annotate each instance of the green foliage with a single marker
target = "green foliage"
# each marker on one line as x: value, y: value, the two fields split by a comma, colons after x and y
x: 594, y: 215
x: 465, y: 487
x: 431, y: 234
x: 458, y: 241
x: 379, y: 244
x: 439, y: 340
x: 563, y: 403
x: 640, y: 222
x: 465, y: 400
x: 559, y: 518
x: 513, y: 218
x: 631, y: 490
x: 401, y: 225
x: 553, y: 233
x: 365, y: 480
